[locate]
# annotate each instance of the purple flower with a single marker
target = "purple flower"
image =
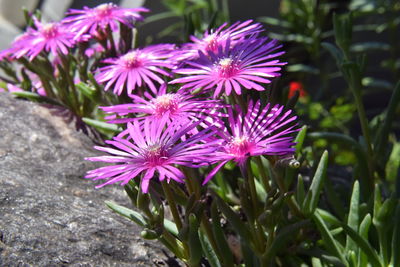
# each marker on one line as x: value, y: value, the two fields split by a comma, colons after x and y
x: 213, y: 39
x: 246, y: 64
x: 262, y: 131
x: 90, y: 20
x: 135, y: 68
x: 180, y: 107
x: 48, y: 37
x: 150, y: 149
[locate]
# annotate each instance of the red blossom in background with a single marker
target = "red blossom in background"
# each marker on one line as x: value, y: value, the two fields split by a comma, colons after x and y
x: 296, y: 86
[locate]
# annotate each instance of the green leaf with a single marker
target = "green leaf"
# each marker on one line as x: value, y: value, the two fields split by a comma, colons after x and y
x: 347, y: 142
x: 101, y: 126
x: 312, y: 197
x: 299, y: 38
x: 373, y: 257
x: 235, y: 220
x: 249, y: 258
x: 300, y: 139
x: 291, y: 172
x: 377, y: 83
x: 274, y: 21
x: 334, y: 200
x: 395, y: 259
x: 149, y: 234
x: 209, y: 252
x: 160, y: 16
x: 36, y: 97
x: 222, y: 244
x: 377, y: 201
x: 367, y: 46
x: 329, y: 241
x: 88, y: 91
x: 363, y: 231
x: 194, y: 241
x: 300, y: 192
x: 285, y: 235
x: 334, y: 51
x: 303, y: 68
x: 328, y: 217
x: 385, y: 211
x: 261, y: 194
x: 352, y: 220
x: 128, y: 213
x: 171, y: 227
x: 132, y: 190
x: 342, y: 25
x: 315, y: 262
x: 383, y: 133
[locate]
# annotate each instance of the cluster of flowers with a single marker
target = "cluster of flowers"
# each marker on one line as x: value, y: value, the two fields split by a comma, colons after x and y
x: 169, y: 126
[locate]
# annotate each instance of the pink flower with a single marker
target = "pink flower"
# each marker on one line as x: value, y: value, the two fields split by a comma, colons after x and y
x: 48, y: 37
x: 91, y: 20
x: 262, y: 131
x: 247, y: 64
x: 152, y: 149
x: 13, y: 88
x: 136, y: 68
x: 180, y: 107
x: 93, y: 50
x: 211, y: 40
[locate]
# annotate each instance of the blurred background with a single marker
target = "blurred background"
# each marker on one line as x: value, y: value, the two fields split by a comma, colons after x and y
x: 12, y: 21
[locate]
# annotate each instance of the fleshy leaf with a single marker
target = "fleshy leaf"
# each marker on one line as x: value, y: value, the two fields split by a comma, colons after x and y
x: 312, y: 196
x: 128, y: 213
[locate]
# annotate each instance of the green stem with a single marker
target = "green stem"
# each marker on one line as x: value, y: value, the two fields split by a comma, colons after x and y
x: 255, y: 226
x: 191, y: 182
x: 294, y: 208
x: 193, y: 188
x: 253, y: 191
x: 174, y: 245
x: 177, y: 219
x: 206, y: 227
x: 383, y: 244
x: 111, y: 39
x: 42, y: 76
x: 362, y: 115
x: 353, y: 77
x: 70, y: 81
x: 263, y: 173
x: 172, y: 204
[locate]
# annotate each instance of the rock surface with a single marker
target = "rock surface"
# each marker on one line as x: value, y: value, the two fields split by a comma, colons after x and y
x: 49, y: 214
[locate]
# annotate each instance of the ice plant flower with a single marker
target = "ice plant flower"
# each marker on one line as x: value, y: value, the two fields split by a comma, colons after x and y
x: 211, y: 40
x: 150, y: 149
x: 247, y: 64
x: 91, y: 20
x: 180, y: 107
x: 262, y: 131
x: 136, y: 68
x: 49, y: 37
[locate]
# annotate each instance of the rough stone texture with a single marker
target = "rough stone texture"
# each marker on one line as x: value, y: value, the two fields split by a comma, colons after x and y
x: 49, y: 214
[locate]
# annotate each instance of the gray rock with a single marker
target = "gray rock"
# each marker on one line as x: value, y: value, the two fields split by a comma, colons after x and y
x: 49, y: 214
